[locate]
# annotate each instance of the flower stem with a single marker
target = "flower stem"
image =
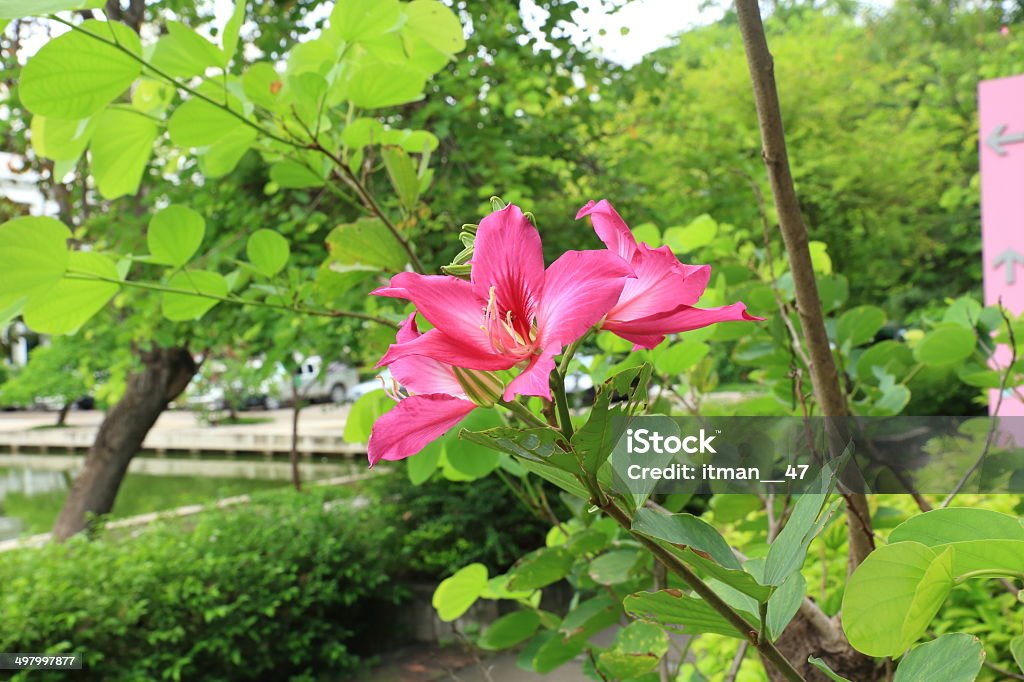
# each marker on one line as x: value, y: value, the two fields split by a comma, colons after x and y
x: 523, y: 413
x: 558, y: 391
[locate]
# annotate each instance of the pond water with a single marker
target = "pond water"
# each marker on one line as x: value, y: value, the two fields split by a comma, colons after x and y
x: 31, y: 498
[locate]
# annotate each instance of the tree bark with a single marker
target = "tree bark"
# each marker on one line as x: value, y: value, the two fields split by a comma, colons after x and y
x: 805, y: 636
x: 164, y: 375
x: 62, y: 415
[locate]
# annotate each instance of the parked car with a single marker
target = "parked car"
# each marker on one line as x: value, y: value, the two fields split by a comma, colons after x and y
x: 333, y: 383
x: 274, y: 389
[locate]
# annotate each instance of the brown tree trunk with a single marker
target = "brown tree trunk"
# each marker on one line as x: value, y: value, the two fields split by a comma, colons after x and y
x: 62, y: 415
x: 294, y: 454
x: 805, y: 636
x: 165, y: 374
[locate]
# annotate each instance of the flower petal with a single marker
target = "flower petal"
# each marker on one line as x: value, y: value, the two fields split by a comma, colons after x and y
x: 414, y: 423
x: 611, y: 228
x: 449, y: 350
x: 421, y: 374
x: 579, y: 289
x: 534, y: 380
x: 662, y: 284
x: 507, y: 255
x: 448, y: 303
x: 683, y: 319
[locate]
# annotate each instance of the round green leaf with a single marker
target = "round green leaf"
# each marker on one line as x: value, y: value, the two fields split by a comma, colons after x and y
x: 363, y: 132
x: 424, y: 463
x: 59, y: 139
x: 859, y: 325
x: 437, y: 25
x: 207, y: 285
x: 510, y: 630
x: 614, y: 567
x: 174, y: 235
x: 355, y: 20
x: 700, y: 232
x: 374, y: 84
x: 70, y: 303
x: 946, y: 345
x: 982, y: 539
x: 892, y: 597
x: 121, y: 146
x: 262, y: 84
x: 541, y: 568
x: 363, y: 414
x: 183, y: 53
x: 471, y: 460
x: 676, y: 358
x: 74, y: 75
x: 35, y: 254
x: 267, y: 251
x: 456, y: 594
x: 293, y: 175
x: 16, y: 9
x: 197, y: 123
x: 951, y: 658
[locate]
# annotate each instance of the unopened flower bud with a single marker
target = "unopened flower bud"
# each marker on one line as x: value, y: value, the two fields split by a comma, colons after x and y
x: 483, y: 388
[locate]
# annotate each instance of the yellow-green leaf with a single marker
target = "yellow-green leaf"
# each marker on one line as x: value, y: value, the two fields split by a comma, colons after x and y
x: 122, y: 143
x: 71, y: 302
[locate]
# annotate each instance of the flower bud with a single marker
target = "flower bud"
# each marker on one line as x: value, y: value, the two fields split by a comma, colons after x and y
x: 483, y: 388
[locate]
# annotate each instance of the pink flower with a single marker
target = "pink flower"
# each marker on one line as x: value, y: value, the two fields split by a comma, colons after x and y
x: 513, y: 312
x: 435, y: 403
x: 660, y: 299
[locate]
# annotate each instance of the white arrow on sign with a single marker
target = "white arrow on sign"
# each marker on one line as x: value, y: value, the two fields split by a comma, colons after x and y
x: 998, y: 140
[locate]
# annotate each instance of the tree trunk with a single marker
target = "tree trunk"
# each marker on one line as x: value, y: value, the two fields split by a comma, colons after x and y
x: 165, y: 374
x: 62, y: 415
x: 820, y: 637
x: 294, y: 454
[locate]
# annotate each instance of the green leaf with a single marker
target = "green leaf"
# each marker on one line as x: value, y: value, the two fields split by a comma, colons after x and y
x: 402, y: 173
x: 421, y: 466
x: 229, y: 38
x: 594, y: 441
x: 470, y: 459
x: 35, y: 254
x: 557, y: 651
x: 70, y: 303
x: 363, y: 132
x: 367, y: 242
x: 174, y: 235
x: 541, y: 568
x: 1017, y: 649
x: 945, y: 346
x: 509, y: 630
x: 363, y: 414
x: 787, y: 553
x: 16, y: 9
x: 60, y: 140
x: 700, y: 232
x: 686, y: 530
x: 435, y: 24
x: 222, y: 156
x: 151, y: 96
x: 637, y: 649
x: 182, y: 307
x: 892, y: 597
x: 951, y: 658
x: 197, y: 123
x: 267, y: 251
x: 676, y: 358
x: 558, y: 477
x: 294, y: 175
x: 356, y: 20
x: 590, y: 616
x: 74, y: 75
x: 614, y: 567
x: 121, y: 146
x: 982, y: 539
x: 183, y: 53
x: 374, y: 84
x: 859, y: 325
x: 823, y: 667
x: 262, y: 84
x: 784, y: 604
x: 681, y: 613
x: 456, y: 594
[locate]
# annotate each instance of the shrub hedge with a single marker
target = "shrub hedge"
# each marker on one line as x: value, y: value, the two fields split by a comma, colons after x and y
x: 291, y: 586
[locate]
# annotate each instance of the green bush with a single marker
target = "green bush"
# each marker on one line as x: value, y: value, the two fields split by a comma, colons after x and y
x: 442, y: 525
x: 277, y: 589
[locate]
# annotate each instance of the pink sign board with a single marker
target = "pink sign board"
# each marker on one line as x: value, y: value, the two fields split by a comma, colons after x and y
x: 1001, y: 105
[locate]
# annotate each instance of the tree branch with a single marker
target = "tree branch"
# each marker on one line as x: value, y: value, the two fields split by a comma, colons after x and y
x: 824, y: 376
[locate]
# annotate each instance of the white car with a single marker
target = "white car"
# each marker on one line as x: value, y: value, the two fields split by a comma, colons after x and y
x: 316, y: 383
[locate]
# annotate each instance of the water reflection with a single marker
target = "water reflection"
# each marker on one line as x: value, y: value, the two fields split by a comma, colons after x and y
x: 27, y: 482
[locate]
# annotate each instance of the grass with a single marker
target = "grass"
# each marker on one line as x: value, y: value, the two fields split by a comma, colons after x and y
x: 139, y: 494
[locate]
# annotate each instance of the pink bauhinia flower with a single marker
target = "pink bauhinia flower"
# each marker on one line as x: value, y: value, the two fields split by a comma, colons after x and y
x: 660, y: 300
x: 436, y: 397
x: 513, y: 312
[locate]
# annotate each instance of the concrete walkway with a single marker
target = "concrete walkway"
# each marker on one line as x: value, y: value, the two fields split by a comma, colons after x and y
x: 320, y: 432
